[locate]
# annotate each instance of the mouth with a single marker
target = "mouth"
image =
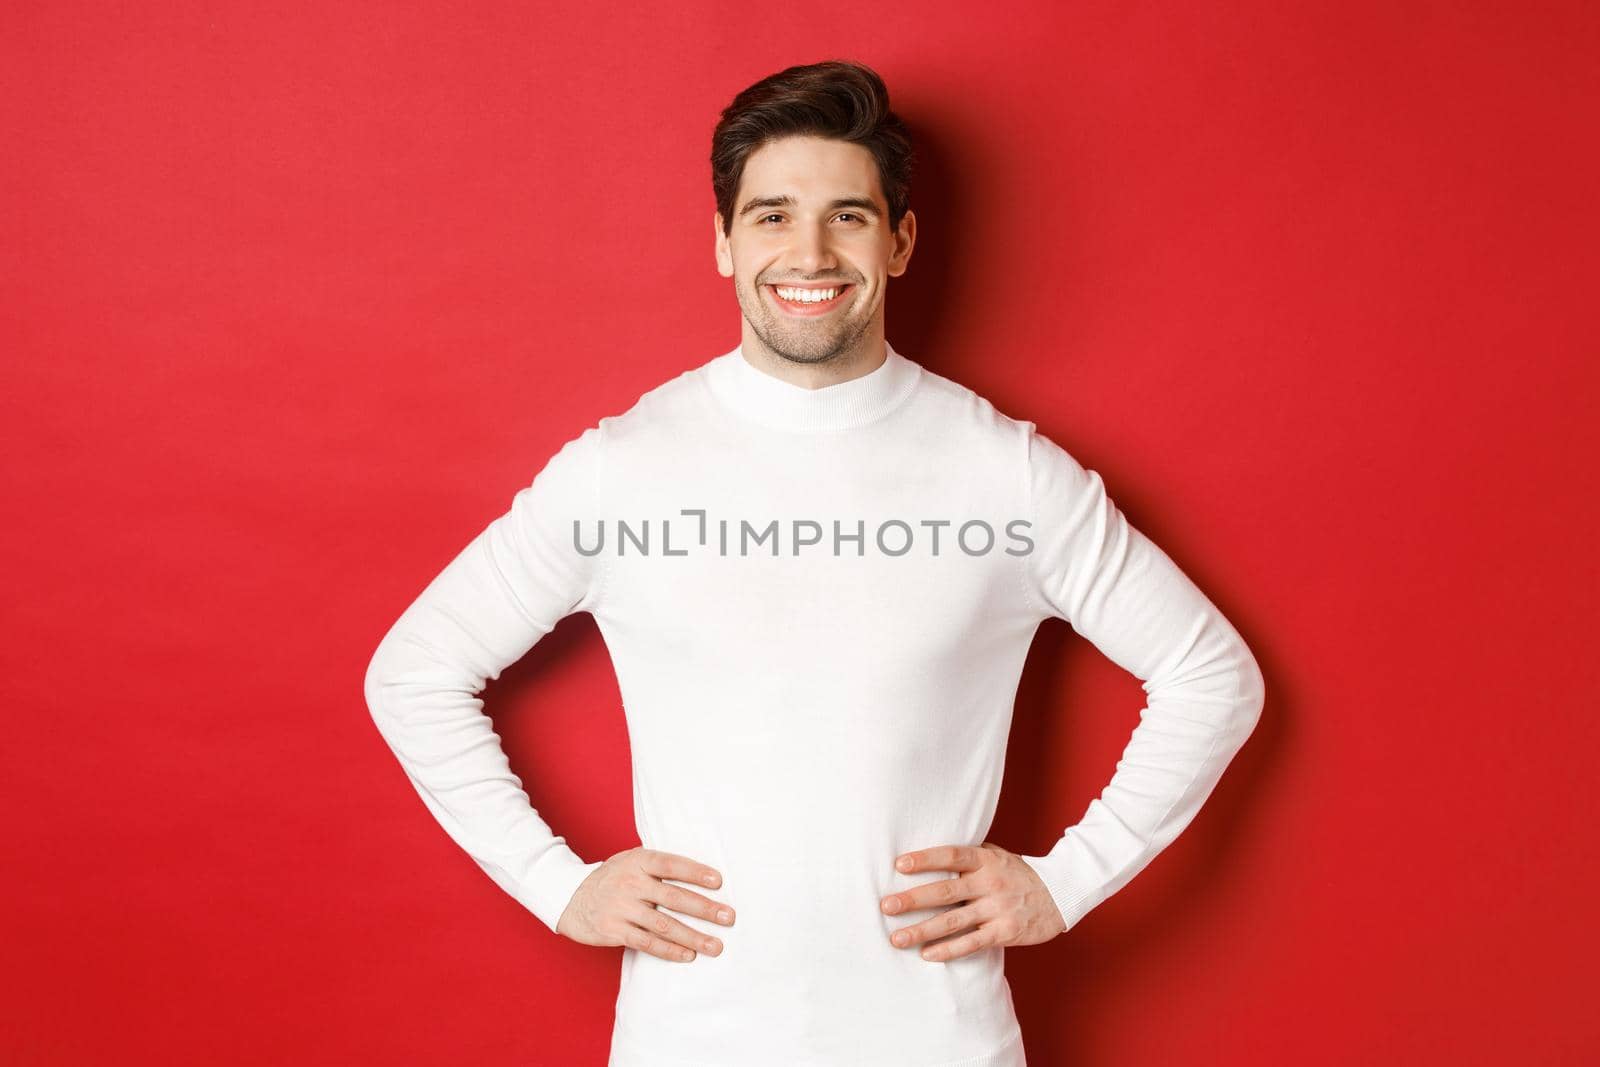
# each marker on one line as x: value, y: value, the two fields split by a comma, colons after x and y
x: 803, y: 302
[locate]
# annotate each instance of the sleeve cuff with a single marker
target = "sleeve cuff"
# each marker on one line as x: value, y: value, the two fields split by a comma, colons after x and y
x: 1073, y: 898
x: 551, y: 884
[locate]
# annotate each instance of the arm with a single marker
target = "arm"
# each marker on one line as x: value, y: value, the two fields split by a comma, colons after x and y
x: 1204, y: 688
x: 483, y: 612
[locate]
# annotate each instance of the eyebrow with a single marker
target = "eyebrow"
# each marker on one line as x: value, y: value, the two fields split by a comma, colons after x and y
x: 860, y: 203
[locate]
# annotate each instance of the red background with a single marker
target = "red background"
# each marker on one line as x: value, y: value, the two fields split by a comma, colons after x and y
x: 295, y: 298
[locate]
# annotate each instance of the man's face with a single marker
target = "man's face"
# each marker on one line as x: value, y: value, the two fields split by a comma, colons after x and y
x: 810, y: 212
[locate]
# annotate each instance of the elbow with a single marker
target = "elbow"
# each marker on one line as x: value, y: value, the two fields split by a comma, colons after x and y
x: 375, y: 680
x: 1252, y: 693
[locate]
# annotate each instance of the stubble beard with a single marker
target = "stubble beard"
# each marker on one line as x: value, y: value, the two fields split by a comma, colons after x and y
x: 800, y: 341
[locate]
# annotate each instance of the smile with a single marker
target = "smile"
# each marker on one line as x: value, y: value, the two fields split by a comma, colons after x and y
x: 807, y: 301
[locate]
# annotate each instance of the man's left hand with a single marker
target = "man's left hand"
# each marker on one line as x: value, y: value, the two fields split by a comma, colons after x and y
x: 1002, y: 902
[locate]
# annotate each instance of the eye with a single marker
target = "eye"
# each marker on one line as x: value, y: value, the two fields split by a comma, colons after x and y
x: 842, y: 215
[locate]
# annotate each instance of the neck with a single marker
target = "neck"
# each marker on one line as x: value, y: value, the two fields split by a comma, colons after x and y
x: 861, y: 358
x: 754, y: 393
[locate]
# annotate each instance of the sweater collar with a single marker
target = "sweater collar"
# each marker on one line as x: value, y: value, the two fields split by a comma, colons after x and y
x: 760, y: 396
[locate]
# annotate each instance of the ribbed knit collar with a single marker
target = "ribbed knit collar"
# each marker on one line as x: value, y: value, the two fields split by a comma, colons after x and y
x: 764, y: 398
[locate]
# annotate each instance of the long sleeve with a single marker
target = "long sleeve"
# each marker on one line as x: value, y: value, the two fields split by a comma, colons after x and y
x: 1204, y: 688
x: 509, y: 587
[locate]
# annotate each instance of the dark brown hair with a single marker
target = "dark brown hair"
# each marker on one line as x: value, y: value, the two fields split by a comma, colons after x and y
x: 836, y: 98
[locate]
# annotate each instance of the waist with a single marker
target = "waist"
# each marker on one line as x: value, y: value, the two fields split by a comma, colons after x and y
x: 781, y: 997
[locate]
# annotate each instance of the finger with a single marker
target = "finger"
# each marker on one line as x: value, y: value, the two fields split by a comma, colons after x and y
x: 667, y: 937
x: 952, y: 921
x: 940, y: 858
x: 957, y: 947
x: 929, y: 895
x: 687, y: 902
x: 642, y: 940
x: 678, y: 868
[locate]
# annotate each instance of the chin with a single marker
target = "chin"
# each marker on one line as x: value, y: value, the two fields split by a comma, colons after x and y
x: 807, y: 350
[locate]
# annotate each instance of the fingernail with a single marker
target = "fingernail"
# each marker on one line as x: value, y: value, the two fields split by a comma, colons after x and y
x: 725, y: 915
x: 711, y: 879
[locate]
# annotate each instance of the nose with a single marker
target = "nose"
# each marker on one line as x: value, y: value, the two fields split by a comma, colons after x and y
x: 811, y: 251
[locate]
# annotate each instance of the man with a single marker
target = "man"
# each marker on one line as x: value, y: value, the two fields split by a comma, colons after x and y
x: 818, y: 567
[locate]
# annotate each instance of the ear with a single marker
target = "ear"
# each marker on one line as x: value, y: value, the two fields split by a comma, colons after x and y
x: 905, y: 237
x: 724, y: 253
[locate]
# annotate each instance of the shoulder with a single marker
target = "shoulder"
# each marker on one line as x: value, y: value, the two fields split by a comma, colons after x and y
x: 1047, y: 474
x: 665, y: 411
x: 968, y: 420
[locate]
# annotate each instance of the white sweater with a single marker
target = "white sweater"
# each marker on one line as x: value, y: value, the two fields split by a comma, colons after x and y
x: 818, y: 604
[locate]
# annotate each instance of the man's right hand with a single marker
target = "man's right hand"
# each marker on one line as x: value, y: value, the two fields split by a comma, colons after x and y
x: 620, y: 904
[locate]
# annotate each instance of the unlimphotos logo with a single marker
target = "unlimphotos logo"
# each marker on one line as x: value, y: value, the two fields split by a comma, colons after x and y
x: 776, y: 537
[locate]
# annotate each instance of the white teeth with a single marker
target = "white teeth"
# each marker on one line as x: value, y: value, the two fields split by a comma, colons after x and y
x: 806, y: 296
